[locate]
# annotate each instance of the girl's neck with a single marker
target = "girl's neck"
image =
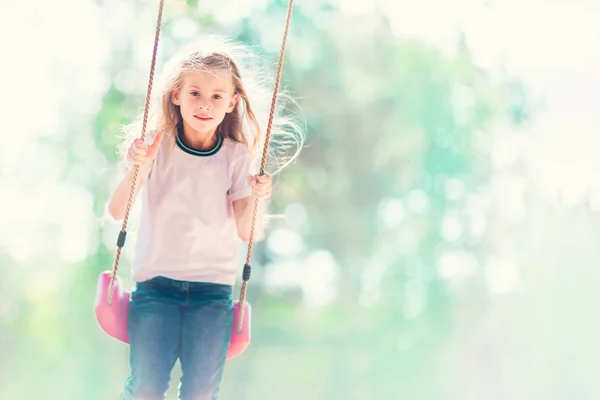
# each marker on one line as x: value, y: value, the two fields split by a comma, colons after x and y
x: 198, y: 140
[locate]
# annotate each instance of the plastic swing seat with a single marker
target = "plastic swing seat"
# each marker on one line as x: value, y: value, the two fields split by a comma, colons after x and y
x: 113, y: 318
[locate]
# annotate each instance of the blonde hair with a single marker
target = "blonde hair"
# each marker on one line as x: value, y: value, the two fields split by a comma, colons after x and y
x: 245, y: 122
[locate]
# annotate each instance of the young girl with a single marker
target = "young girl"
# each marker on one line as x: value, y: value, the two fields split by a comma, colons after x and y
x: 197, y: 202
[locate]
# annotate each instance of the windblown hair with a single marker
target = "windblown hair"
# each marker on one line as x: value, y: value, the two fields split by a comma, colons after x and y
x: 248, y: 121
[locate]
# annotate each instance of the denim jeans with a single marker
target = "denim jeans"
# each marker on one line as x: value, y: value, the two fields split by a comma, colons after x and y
x: 171, y: 319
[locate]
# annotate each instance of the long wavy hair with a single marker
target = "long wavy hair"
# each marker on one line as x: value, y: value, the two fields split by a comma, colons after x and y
x: 245, y: 124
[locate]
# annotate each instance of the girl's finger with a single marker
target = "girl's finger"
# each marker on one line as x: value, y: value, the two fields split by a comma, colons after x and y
x: 157, y: 139
x: 140, y: 151
x: 263, y: 196
x: 134, y: 162
x: 261, y: 192
x: 139, y: 143
x: 133, y: 153
x: 263, y: 187
x: 136, y: 157
x: 263, y: 178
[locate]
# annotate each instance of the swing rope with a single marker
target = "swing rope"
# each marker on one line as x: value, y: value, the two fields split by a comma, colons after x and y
x: 123, y: 232
x: 247, y: 268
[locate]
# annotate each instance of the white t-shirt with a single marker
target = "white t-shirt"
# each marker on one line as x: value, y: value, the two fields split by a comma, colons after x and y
x: 187, y: 227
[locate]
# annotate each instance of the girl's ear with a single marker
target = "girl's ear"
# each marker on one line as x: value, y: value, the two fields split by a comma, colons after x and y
x: 234, y: 101
x: 175, y: 98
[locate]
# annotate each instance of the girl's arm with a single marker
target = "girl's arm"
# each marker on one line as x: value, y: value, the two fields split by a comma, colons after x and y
x: 243, y: 209
x: 118, y: 201
x: 142, y: 154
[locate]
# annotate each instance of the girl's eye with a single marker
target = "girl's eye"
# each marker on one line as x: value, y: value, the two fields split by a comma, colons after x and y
x: 195, y: 93
x: 216, y: 97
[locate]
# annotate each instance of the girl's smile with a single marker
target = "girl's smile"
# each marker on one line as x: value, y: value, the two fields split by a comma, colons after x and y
x: 203, y: 117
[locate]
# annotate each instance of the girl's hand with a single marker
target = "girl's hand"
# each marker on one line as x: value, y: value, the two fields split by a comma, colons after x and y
x: 142, y: 154
x: 261, y: 186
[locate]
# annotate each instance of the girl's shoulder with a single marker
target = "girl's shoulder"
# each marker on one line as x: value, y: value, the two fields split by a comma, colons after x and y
x: 237, y: 154
x: 234, y: 148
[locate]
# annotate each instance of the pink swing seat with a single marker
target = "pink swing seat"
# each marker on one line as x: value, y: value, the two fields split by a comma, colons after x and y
x: 113, y: 318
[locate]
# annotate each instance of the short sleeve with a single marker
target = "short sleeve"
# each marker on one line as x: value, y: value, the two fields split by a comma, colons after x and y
x: 241, y: 169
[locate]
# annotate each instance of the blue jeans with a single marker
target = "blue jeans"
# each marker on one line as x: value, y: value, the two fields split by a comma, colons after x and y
x: 171, y: 319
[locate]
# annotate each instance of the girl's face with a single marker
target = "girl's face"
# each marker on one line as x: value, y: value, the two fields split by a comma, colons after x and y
x: 205, y: 98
